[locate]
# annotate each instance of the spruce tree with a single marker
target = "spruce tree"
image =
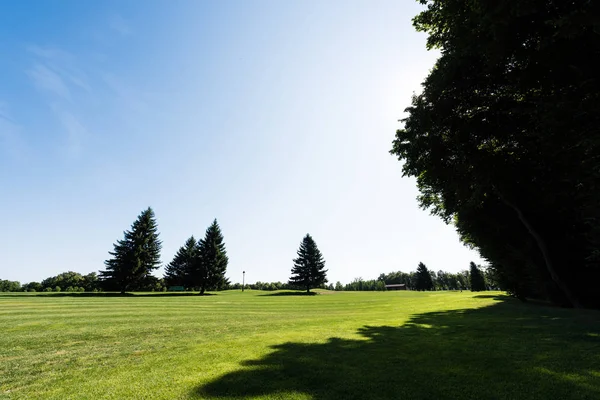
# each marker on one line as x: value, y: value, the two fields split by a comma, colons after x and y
x: 423, y: 278
x: 209, y: 272
x: 135, y: 257
x: 476, y: 278
x: 180, y: 271
x: 308, y: 271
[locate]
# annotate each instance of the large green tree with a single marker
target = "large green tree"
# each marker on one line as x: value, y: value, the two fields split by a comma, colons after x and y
x: 476, y: 278
x: 423, y: 279
x: 209, y: 272
x: 504, y: 140
x: 181, y: 271
x: 309, y: 268
x: 134, y: 257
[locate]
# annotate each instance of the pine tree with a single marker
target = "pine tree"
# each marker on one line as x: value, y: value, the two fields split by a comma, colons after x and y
x: 423, y: 278
x: 209, y: 272
x: 180, y: 271
x: 308, y: 271
x: 476, y: 278
x: 135, y: 257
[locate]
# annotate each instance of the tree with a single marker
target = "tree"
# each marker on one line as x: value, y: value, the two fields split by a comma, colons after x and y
x: 423, y: 278
x: 9, y: 286
x: 505, y: 134
x: 91, y: 282
x: 210, y: 269
x: 308, y: 271
x: 181, y: 270
x: 476, y: 278
x: 32, y: 287
x: 135, y: 257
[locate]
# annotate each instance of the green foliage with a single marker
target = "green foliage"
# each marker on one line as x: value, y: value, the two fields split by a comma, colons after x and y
x: 9, y: 286
x: 135, y: 257
x: 181, y: 270
x: 309, y: 268
x: 423, y: 280
x: 504, y: 140
x: 211, y: 266
x: 361, y: 285
x: 68, y: 280
x: 476, y: 278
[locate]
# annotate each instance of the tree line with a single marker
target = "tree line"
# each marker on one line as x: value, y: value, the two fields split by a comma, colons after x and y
x: 475, y: 279
x: 198, y: 265
x: 504, y: 140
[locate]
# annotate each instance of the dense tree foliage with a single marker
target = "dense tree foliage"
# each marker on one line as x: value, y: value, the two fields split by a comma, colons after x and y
x: 10, y: 286
x: 476, y: 278
x: 504, y: 139
x: 180, y: 271
x: 309, y: 268
x: 423, y: 279
x: 135, y: 257
x: 210, y: 269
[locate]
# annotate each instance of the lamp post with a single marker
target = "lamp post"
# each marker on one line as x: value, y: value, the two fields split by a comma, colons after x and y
x: 243, y: 279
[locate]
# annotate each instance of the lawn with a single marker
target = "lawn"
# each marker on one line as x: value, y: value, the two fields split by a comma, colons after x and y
x: 354, y: 345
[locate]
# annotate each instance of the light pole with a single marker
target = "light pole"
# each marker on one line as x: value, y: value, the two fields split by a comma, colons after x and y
x: 243, y: 279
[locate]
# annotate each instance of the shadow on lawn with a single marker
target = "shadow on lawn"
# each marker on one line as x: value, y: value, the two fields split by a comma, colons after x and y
x: 297, y: 293
x: 505, y: 351
x: 105, y: 294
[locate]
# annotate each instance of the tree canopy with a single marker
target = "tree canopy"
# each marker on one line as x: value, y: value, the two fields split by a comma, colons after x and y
x: 134, y: 257
x: 212, y: 263
x: 504, y: 139
x: 181, y: 270
x: 309, y: 268
x: 423, y: 280
x: 476, y: 278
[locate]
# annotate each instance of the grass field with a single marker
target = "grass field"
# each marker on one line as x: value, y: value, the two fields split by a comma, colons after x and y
x: 355, y: 345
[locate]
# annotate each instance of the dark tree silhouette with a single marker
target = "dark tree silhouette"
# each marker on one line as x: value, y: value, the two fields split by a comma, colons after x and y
x: 476, y: 278
x: 135, y: 257
x: 423, y: 278
x: 309, y: 268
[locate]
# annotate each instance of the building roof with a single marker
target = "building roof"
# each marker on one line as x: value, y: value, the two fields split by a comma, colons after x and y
x: 396, y: 285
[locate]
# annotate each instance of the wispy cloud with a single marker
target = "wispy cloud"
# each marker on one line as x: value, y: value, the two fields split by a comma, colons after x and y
x: 63, y: 63
x: 118, y: 24
x: 58, y: 74
x: 130, y: 98
x: 48, y: 80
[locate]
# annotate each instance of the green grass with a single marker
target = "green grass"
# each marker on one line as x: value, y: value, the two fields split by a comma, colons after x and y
x: 402, y: 345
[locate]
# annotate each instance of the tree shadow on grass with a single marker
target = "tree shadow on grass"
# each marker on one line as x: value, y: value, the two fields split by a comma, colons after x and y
x: 104, y: 294
x: 290, y: 293
x: 492, y: 296
x: 505, y: 351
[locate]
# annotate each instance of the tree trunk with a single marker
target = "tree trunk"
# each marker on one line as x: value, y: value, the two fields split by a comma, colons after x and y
x: 544, y: 250
x: 202, y: 290
x: 308, y: 289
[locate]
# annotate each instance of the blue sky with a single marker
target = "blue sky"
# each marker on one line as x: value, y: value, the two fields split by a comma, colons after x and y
x: 274, y: 117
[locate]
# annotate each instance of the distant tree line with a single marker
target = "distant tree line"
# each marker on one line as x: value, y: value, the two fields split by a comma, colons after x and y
x: 66, y: 282
x: 504, y: 140
x: 476, y: 279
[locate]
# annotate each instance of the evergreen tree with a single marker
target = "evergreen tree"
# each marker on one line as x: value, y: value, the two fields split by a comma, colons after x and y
x: 423, y: 278
x: 308, y: 271
x: 476, y: 277
x: 135, y: 257
x: 180, y: 271
x: 209, y: 272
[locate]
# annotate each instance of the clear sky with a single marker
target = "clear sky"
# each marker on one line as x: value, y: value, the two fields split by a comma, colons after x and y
x: 275, y: 117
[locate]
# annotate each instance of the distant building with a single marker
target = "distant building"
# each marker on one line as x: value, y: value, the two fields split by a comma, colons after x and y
x: 176, y: 289
x: 396, y: 286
